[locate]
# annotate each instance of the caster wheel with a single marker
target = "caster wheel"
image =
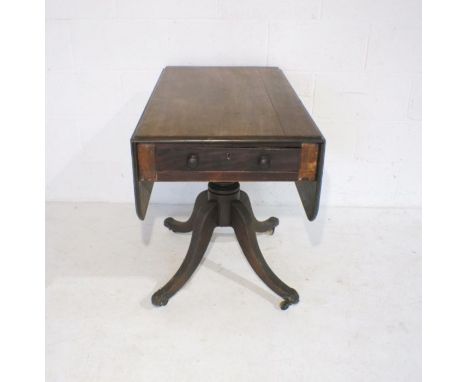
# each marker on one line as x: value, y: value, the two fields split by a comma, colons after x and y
x: 159, y: 299
x: 168, y: 223
x: 290, y: 300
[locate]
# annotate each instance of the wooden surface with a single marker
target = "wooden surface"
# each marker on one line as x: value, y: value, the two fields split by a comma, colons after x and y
x: 227, y: 103
x: 171, y: 162
x: 309, y: 157
x: 226, y: 124
x: 170, y: 158
x: 224, y: 205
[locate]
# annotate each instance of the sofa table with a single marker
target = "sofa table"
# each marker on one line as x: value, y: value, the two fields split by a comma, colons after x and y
x: 225, y: 125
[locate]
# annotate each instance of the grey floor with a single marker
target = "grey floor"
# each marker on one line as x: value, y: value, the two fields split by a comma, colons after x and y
x: 357, y: 270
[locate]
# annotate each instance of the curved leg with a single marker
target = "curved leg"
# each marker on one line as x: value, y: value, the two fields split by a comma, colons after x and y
x: 259, y: 226
x: 204, y: 223
x: 244, y: 228
x: 187, y: 226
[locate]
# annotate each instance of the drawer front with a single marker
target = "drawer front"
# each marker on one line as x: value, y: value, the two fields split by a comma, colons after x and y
x: 171, y: 162
x: 226, y: 159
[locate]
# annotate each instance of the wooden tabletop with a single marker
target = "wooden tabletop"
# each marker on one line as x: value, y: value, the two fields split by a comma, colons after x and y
x: 225, y: 103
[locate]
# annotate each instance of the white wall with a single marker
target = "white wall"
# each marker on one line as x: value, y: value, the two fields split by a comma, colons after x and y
x: 356, y: 64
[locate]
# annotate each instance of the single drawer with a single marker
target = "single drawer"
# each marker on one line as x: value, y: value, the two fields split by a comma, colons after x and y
x: 169, y: 162
x: 193, y: 158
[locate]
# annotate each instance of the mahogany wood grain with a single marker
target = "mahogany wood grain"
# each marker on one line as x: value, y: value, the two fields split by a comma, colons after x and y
x: 226, y: 176
x: 175, y: 157
x: 224, y: 102
x: 309, y: 157
x: 224, y: 125
x: 168, y: 162
x: 210, y: 112
x: 146, y: 161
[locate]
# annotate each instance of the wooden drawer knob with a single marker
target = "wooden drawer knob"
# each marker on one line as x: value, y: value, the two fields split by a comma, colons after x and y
x: 192, y: 161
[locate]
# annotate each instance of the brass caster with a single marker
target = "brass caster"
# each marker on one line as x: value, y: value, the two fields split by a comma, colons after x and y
x: 159, y: 299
